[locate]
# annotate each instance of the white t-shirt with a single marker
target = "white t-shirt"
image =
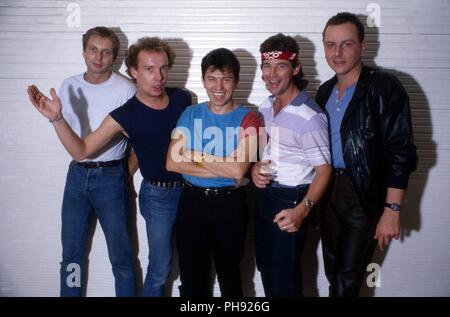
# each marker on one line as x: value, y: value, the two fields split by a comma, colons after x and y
x: 86, y: 105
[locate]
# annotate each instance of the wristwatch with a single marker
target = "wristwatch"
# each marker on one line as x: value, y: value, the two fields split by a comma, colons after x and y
x: 393, y: 206
x: 309, y: 203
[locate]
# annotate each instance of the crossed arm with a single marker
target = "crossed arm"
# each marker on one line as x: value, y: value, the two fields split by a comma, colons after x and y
x: 195, y: 163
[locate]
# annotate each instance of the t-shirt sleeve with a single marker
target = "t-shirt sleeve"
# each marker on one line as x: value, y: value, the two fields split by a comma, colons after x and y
x: 249, y: 125
x: 119, y: 115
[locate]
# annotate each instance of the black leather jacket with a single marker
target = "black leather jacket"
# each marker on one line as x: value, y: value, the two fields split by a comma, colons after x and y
x: 376, y: 134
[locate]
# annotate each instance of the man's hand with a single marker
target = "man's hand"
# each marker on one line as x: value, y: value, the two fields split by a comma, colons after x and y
x: 261, y: 179
x: 291, y: 219
x: 388, y: 227
x: 49, y: 108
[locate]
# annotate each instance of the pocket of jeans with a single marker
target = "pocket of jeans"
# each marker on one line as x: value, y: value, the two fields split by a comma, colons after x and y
x: 154, y: 200
x: 285, y: 203
x: 272, y: 203
x: 287, y: 199
x: 154, y: 192
x: 115, y: 171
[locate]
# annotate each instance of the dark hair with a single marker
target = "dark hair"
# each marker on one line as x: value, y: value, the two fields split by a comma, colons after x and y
x: 222, y: 59
x: 154, y: 44
x: 281, y: 42
x: 102, y: 32
x: 344, y: 17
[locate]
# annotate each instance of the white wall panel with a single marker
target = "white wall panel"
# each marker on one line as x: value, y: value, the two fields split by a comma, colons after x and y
x: 37, y: 46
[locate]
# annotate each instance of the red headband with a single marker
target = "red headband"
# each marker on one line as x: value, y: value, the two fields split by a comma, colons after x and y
x: 286, y: 55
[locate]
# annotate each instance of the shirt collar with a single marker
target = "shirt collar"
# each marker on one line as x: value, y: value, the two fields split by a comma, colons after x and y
x: 297, y: 101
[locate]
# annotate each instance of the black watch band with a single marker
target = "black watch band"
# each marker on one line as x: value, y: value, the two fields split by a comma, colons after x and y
x: 393, y: 206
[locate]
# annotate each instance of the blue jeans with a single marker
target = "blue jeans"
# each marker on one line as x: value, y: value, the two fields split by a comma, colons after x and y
x: 158, y: 206
x: 101, y: 190
x: 278, y: 253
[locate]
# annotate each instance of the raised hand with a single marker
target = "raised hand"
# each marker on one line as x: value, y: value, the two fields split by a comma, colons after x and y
x: 49, y: 108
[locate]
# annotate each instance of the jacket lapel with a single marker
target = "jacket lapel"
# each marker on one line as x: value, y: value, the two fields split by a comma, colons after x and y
x: 360, y: 92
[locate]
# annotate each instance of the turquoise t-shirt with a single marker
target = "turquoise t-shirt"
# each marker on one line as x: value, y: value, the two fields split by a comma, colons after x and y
x: 215, y: 134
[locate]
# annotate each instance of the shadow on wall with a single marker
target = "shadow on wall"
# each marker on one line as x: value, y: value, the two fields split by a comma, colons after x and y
x: 179, y: 73
x: 426, y: 148
x: 123, y: 40
x: 80, y: 106
x: 246, y: 77
x: 307, y: 52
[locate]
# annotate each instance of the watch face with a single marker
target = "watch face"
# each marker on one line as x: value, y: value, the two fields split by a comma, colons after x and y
x: 394, y: 206
x: 309, y: 203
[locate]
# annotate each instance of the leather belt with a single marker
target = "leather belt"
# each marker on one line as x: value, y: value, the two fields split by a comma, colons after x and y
x: 340, y: 171
x: 99, y: 164
x: 211, y: 191
x: 164, y: 184
x: 275, y: 184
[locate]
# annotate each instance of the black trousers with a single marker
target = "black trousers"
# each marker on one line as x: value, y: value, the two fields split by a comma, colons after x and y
x: 278, y: 253
x: 211, y: 225
x: 347, y: 239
